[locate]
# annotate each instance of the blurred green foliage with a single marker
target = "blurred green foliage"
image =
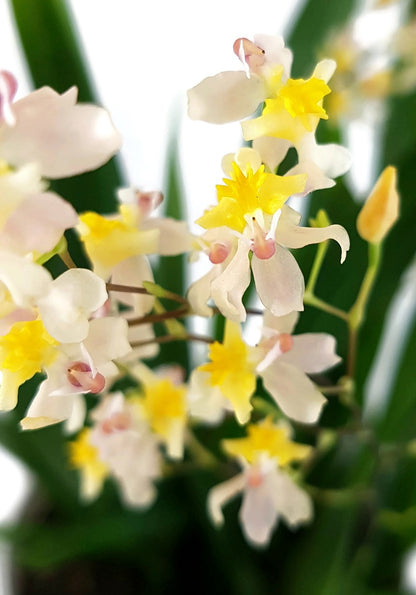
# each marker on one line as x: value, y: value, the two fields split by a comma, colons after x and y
x: 355, y: 545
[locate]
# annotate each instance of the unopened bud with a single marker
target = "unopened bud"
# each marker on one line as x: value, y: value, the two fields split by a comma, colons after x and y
x: 381, y: 209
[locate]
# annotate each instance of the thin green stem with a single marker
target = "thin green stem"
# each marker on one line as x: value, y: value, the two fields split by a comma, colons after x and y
x: 67, y: 259
x: 316, y: 267
x: 172, y: 338
x: 311, y: 300
x: 357, y: 312
x: 160, y: 317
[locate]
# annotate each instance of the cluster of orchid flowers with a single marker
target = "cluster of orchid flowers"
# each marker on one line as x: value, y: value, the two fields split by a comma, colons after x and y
x: 88, y: 328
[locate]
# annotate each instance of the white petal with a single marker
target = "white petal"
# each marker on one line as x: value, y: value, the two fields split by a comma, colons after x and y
x: 45, y: 409
x: 37, y: 224
x: 281, y: 324
x: 174, y: 237
x: 279, y: 282
x: 293, y: 503
x: 25, y: 280
x: 332, y: 159
x: 72, y: 298
x: 219, y: 495
x: 244, y: 158
x: 206, y: 402
x: 225, y: 97
x: 272, y: 150
x: 107, y: 339
x: 227, y: 289
x: 312, y: 353
x: 292, y: 390
x: 63, y: 138
x: 316, y: 179
x: 258, y: 514
x: 293, y: 236
x: 199, y: 292
x: 325, y: 69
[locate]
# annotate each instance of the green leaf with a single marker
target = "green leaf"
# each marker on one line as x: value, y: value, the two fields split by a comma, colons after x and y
x: 52, y: 50
x: 317, y: 20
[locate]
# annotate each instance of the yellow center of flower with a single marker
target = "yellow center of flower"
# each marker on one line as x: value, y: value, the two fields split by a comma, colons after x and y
x: 245, y: 192
x: 26, y: 348
x: 269, y: 439
x: 232, y: 369
x: 4, y: 168
x: 98, y: 227
x: 164, y: 402
x: 84, y: 455
x: 302, y: 97
x: 109, y: 241
x: 291, y: 110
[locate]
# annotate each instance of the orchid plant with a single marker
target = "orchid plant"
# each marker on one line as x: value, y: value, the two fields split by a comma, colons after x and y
x: 90, y: 332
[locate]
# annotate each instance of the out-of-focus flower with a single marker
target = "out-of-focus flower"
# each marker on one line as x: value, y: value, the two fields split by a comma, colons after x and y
x: 127, y: 447
x: 164, y: 406
x: 131, y: 233
x: 381, y: 209
x: 84, y: 457
x: 268, y: 491
x: 62, y: 137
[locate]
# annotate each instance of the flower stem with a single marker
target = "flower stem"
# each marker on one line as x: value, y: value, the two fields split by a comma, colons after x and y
x: 67, y: 259
x: 357, y: 312
x: 172, y: 338
x: 311, y: 300
x: 316, y: 267
x: 151, y: 318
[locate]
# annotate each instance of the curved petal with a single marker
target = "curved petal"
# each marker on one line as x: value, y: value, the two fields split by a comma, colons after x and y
x: 258, y: 514
x: 225, y: 97
x: 174, y: 236
x: 292, y: 390
x: 316, y: 179
x: 25, y: 280
x: 281, y: 324
x: 72, y: 298
x: 107, y: 339
x: 63, y: 138
x: 45, y: 409
x: 279, y: 282
x: 228, y: 288
x: 206, y: 402
x: 37, y: 224
x: 293, y: 503
x: 272, y: 150
x: 292, y: 236
x: 332, y: 159
x: 199, y: 292
x: 220, y: 494
x: 312, y: 353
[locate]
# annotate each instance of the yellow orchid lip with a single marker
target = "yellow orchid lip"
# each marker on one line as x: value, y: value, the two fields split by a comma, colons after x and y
x: 246, y: 192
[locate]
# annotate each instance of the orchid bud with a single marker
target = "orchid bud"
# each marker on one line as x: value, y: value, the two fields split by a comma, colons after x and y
x: 381, y: 209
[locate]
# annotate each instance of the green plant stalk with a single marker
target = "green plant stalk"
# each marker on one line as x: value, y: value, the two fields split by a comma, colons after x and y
x: 357, y: 312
